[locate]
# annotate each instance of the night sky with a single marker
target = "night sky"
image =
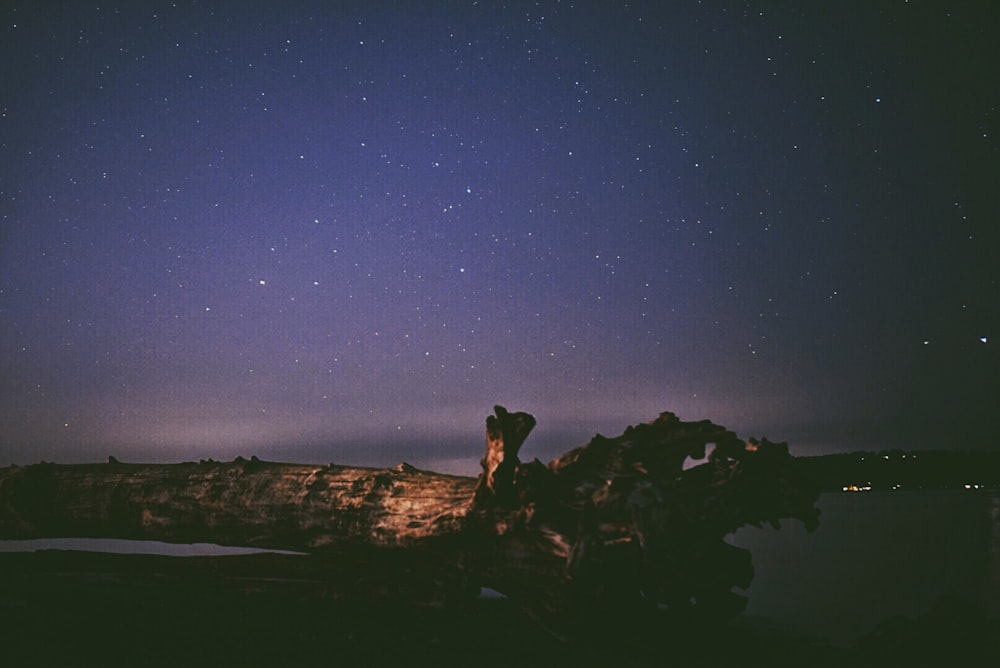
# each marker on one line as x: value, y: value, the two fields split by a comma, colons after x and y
x: 341, y: 232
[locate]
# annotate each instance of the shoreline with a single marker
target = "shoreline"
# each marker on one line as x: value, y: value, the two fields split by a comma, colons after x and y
x: 60, y: 607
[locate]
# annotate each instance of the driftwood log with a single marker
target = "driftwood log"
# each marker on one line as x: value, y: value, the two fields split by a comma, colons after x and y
x: 616, y: 527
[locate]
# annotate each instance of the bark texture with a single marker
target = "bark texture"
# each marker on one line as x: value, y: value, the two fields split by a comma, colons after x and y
x: 615, y: 527
x: 244, y: 502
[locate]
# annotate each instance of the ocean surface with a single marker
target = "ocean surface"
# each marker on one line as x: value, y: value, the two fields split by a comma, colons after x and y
x: 876, y: 555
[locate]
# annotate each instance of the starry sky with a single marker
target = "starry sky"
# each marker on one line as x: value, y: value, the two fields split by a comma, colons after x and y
x: 343, y: 231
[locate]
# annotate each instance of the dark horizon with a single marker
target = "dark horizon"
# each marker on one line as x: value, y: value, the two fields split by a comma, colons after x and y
x: 458, y: 457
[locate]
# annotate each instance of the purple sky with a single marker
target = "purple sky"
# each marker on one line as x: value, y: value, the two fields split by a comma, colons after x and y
x: 343, y: 231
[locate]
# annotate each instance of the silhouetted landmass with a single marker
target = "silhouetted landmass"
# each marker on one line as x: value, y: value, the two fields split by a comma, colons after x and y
x: 899, y: 470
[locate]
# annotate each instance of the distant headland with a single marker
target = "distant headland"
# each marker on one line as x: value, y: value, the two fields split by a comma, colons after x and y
x: 899, y: 470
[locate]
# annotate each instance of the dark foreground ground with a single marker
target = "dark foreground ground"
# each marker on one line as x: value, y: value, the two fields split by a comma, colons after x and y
x: 61, y: 608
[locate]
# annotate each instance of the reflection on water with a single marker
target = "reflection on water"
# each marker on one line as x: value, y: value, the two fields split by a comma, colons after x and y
x: 129, y: 547
x: 876, y: 555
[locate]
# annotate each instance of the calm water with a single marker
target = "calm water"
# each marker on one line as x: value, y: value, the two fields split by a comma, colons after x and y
x: 875, y: 555
x: 128, y: 547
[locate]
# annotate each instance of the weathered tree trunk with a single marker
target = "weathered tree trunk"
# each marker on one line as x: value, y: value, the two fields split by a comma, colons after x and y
x: 616, y: 525
x: 245, y: 502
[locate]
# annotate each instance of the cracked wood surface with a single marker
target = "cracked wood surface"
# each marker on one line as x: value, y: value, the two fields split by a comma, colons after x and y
x: 615, y: 525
